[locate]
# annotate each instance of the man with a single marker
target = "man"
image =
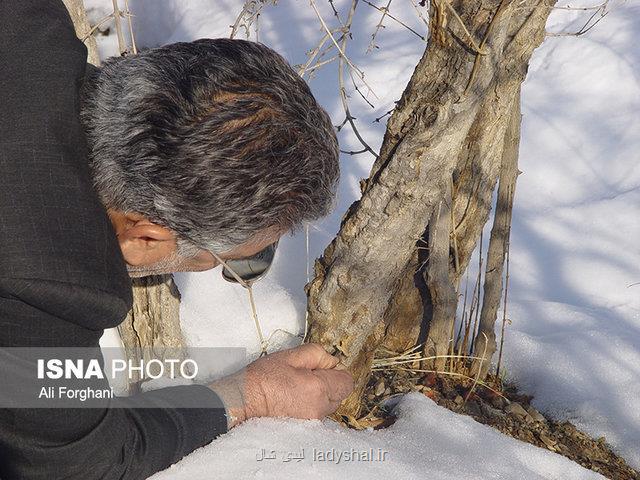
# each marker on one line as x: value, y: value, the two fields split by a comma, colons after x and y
x: 199, y: 151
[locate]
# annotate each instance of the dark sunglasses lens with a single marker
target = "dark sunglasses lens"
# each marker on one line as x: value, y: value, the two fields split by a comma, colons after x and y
x: 251, y: 268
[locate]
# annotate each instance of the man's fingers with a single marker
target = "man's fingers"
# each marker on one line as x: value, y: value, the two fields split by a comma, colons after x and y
x: 338, y: 383
x: 311, y: 356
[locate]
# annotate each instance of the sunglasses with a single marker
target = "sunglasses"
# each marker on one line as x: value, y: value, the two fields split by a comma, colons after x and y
x: 249, y: 269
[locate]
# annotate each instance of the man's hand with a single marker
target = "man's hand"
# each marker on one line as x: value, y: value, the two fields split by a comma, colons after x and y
x: 302, y: 382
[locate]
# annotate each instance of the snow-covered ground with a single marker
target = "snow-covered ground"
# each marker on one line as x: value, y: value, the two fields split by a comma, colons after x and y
x: 427, y: 441
x: 574, y: 341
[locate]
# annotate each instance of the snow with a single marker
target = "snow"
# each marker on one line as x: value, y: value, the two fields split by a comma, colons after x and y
x: 427, y: 441
x: 574, y: 340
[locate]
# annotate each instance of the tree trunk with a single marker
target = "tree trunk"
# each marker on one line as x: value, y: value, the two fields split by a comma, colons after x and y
x: 152, y: 327
x: 449, y: 126
x: 83, y: 29
x: 442, y: 293
x: 485, y: 342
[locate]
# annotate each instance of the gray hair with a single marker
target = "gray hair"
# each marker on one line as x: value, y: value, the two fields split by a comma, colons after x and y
x: 215, y: 139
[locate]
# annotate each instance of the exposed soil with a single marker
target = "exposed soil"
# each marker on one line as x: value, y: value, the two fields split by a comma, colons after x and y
x: 507, y: 411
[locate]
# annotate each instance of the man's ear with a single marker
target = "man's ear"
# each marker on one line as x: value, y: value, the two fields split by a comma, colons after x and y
x: 145, y: 243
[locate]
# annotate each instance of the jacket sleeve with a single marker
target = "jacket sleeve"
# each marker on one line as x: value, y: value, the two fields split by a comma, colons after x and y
x: 62, y: 276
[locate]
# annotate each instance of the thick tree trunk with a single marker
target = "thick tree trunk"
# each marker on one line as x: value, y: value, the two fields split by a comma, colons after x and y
x: 448, y: 126
x: 152, y: 327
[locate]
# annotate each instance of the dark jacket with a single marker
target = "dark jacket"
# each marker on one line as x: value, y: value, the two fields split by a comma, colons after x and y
x: 62, y: 276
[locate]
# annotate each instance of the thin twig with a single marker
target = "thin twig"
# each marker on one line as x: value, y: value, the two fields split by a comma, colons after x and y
x: 335, y: 42
x: 116, y: 15
x: 454, y: 374
x: 134, y: 48
x: 477, y: 379
x: 312, y: 54
x: 385, y: 11
x: 320, y: 64
x: 97, y: 26
x: 506, y: 287
x: 477, y: 316
x: 380, y: 363
x: 419, y: 13
x: 343, y: 92
x: 588, y: 25
x: 389, y: 112
x: 239, y: 18
x: 355, y: 86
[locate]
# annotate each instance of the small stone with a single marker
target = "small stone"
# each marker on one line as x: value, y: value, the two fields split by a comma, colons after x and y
x: 514, y: 408
x: 387, y: 391
x: 548, y: 441
x: 379, y: 388
x: 472, y: 408
x: 458, y: 400
x: 498, y: 402
x: 450, y: 393
x: 492, y: 413
x: 536, y: 415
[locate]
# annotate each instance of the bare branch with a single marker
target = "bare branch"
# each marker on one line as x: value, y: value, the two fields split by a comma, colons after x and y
x: 122, y: 45
x: 592, y: 21
x: 134, y: 48
x: 335, y: 42
x: 343, y: 92
x: 385, y: 12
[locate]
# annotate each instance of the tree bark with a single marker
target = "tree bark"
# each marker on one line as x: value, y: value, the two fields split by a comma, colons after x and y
x: 152, y: 327
x: 449, y: 123
x: 442, y: 292
x: 83, y: 29
x: 485, y: 342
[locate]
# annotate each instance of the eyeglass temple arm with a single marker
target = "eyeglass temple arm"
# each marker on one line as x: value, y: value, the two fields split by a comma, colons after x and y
x: 235, y: 275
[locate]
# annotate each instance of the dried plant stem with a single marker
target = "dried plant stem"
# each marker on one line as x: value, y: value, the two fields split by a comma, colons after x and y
x: 254, y: 312
x: 122, y: 45
x: 600, y: 9
x: 454, y: 374
x: 506, y: 294
x: 379, y: 364
x: 335, y: 42
x: 134, y: 48
x: 101, y: 22
x: 477, y: 376
x: 477, y: 312
x: 343, y: 92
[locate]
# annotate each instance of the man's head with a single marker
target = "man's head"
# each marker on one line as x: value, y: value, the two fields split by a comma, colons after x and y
x: 214, y: 145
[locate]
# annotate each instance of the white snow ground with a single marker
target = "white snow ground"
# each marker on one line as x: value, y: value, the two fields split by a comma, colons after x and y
x: 427, y: 441
x: 574, y: 341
